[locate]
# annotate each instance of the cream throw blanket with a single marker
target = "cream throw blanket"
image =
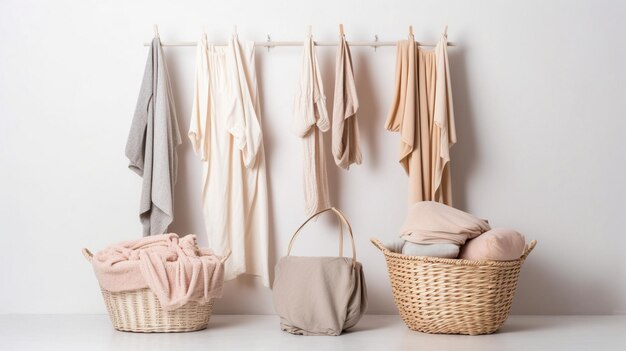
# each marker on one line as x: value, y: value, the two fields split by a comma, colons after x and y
x: 174, y: 268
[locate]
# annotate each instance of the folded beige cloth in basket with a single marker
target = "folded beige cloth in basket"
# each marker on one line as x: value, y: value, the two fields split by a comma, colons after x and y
x: 174, y: 268
x: 430, y: 222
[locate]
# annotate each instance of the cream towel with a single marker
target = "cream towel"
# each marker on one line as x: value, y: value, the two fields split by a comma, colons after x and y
x: 345, y: 138
x: 225, y: 131
x: 309, y: 123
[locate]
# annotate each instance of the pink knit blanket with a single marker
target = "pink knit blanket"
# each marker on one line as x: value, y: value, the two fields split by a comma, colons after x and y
x: 174, y: 268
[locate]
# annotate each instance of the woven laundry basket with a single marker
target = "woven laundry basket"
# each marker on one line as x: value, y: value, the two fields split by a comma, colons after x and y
x: 140, y: 311
x: 452, y: 296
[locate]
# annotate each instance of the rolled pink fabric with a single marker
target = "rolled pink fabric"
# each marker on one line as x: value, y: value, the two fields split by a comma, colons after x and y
x: 174, y: 268
x: 498, y: 244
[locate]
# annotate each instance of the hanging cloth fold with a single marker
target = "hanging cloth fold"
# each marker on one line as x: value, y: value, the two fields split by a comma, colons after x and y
x: 225, y: 131
x: 422, y: 112
x: 310, y: 121
x: 152, y: 142
x: 345, y: 137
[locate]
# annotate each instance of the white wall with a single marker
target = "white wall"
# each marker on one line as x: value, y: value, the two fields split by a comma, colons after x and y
x: 539, y: 89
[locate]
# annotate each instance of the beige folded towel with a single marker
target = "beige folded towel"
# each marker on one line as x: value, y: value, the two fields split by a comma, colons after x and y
x: 174, y: 268
x: 430, y: 222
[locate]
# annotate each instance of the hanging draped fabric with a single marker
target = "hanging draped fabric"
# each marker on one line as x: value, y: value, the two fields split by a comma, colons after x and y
x: 423, y: 115
x: 309, y: 123
x: 345, y: 137
x: 225, y: 132
x: 152, y: 142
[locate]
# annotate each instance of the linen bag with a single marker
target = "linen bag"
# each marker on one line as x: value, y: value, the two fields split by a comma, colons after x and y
x: 320, y: 295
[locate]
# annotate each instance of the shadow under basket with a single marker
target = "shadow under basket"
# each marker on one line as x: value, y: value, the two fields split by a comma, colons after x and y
x: 140, y: 311
x: 452, y: 296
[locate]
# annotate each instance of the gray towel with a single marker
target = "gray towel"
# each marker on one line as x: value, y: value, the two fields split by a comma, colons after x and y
x: 152, y: 142
x: 432, y: 250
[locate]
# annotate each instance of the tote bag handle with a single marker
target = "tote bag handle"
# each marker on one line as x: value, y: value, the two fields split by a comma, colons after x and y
x: 342, y: 221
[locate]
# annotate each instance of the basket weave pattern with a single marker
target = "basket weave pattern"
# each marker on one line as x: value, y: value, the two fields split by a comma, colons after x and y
x: 140, y: 311
x: 452, y: 296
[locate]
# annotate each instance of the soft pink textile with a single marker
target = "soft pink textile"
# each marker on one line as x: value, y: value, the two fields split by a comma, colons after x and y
x: 497, y: 244
x: 430, y: 222
x: 174, y: 268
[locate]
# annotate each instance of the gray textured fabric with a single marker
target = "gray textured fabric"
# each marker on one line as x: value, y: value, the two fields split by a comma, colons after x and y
x: 319, y: 295
x: 394, y: 245
x: 152, y: 142
x: 432, y: 250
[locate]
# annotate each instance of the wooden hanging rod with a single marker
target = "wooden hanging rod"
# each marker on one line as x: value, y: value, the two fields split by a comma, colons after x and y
x: 269, y: 44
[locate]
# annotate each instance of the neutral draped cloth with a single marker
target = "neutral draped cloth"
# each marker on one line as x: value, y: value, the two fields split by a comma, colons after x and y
x: 423, y: 115
x: 430, y: 222
x: 345, y: 133
x: 174, y: 268
x: 309, y: 123
x: 225, y: 131
x: 152, y: 142
x: 319, y: 295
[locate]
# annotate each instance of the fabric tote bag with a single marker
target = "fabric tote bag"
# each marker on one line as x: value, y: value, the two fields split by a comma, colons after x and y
x: 320, y: 295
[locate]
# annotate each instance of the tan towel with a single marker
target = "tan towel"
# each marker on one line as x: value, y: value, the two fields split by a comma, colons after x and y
x: 174, y: 268
x: 345, y: 138
x: 423, y: 115
x: 430, y: 222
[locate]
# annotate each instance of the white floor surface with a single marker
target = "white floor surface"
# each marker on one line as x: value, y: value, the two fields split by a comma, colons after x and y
x: 238, y: 332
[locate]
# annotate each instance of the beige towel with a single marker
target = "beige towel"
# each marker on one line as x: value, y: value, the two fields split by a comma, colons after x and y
x: 174, y: 268
x: 430, y: 222
x: 309, y: 123
x: 345, y: 138
x: 422, y: 113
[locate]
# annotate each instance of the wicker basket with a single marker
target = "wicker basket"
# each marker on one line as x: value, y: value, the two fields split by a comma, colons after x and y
x: 140, y: 311
x: 452, y: 296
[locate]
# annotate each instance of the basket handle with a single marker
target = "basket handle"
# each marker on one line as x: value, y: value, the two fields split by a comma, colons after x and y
x: 528, y: 249
x: 88, y: 255
x: 379, y: 245
x: 342, y: 221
